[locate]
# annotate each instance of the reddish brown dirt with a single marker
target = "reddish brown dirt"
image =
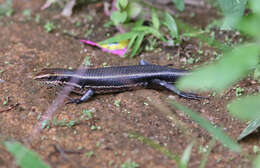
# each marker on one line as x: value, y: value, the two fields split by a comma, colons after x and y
x: 26, y: 48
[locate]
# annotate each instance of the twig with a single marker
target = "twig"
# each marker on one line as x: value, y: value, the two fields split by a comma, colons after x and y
x: 11, y: 107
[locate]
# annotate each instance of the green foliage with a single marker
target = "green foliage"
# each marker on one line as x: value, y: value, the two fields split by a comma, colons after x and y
x: 135, y: 37
x: 138, y: 32
x: 186, y: 156
x: 155, y: 20
x: 251, y: 127
x: 214, y: 131
x: 250, y: 26
x: 233, y: 66
x: 255, y: 6
x: 247, y: 108
x: 24, y: 157
x: 256, y: 163
x: 179, y: 4
x: 6, y: 8
x: 121, y: 4
x: 129, y: 164
x: 49, y: 27
x: 233, y: 10
x: 118, y: 17
x: 125, y: 10
x: 206, y: 155
x: 170, y: 23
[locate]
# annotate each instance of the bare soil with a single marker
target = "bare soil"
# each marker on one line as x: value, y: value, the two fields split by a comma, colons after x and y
x: 103, y: 140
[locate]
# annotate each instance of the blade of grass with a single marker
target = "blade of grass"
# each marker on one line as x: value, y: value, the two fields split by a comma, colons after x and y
x: 214, y: 131
x: 251, y: 127
x: 130, y: 44
x: 137, y: 44
x: 24, y: 157
x: 148, y: 30
x: 155, y: 20
x: 205, y: 157
x: 186, y: 156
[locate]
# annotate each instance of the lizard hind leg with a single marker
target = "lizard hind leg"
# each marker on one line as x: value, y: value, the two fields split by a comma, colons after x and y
x: 175, y: 90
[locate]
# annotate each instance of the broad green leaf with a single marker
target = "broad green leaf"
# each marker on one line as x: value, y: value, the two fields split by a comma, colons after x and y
x: 256, y: 163
x: 186, y: 155
x: 246, y: 108
x: 155, y: 20
x: 137, y: 44
x: 233, y: 10
x: 170, y: 23
x: 133, y: 9
x: 255, y: 6
x: 179, y: 4
x: 233, y: 66
x: 250, y: 25
x: 24, y: 157
x: 121, y: 4
x: 119, y: 37
x: 118, y: 17
x: 213, y: 130
x: 251, y: 127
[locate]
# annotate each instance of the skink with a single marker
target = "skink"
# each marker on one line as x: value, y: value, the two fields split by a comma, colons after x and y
x: 115, y: 79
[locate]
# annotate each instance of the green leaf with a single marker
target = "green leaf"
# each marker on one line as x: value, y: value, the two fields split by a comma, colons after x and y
x: 155, y: 20
x: 6, y: 8
x: 256, y: 163
x: 179, y: 4
x: 255, y: 6
x: 119, y: 37
x: 186, y: 155
x: 121, y: 4
x: 206, y: 155
x: 233, y: 66
x: 24, y: 157
x: 118, y: 17
x: 148, y: 30
x: 137, y: 44
x: 233, y: 10
x: 250, y: 25
x: 139, y: 22
x: 131, y: 43
x: 246, y: 108
x: 251, y: 127
x: 214, y: 131
x: 133, y: 9
x: 170, y: 23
